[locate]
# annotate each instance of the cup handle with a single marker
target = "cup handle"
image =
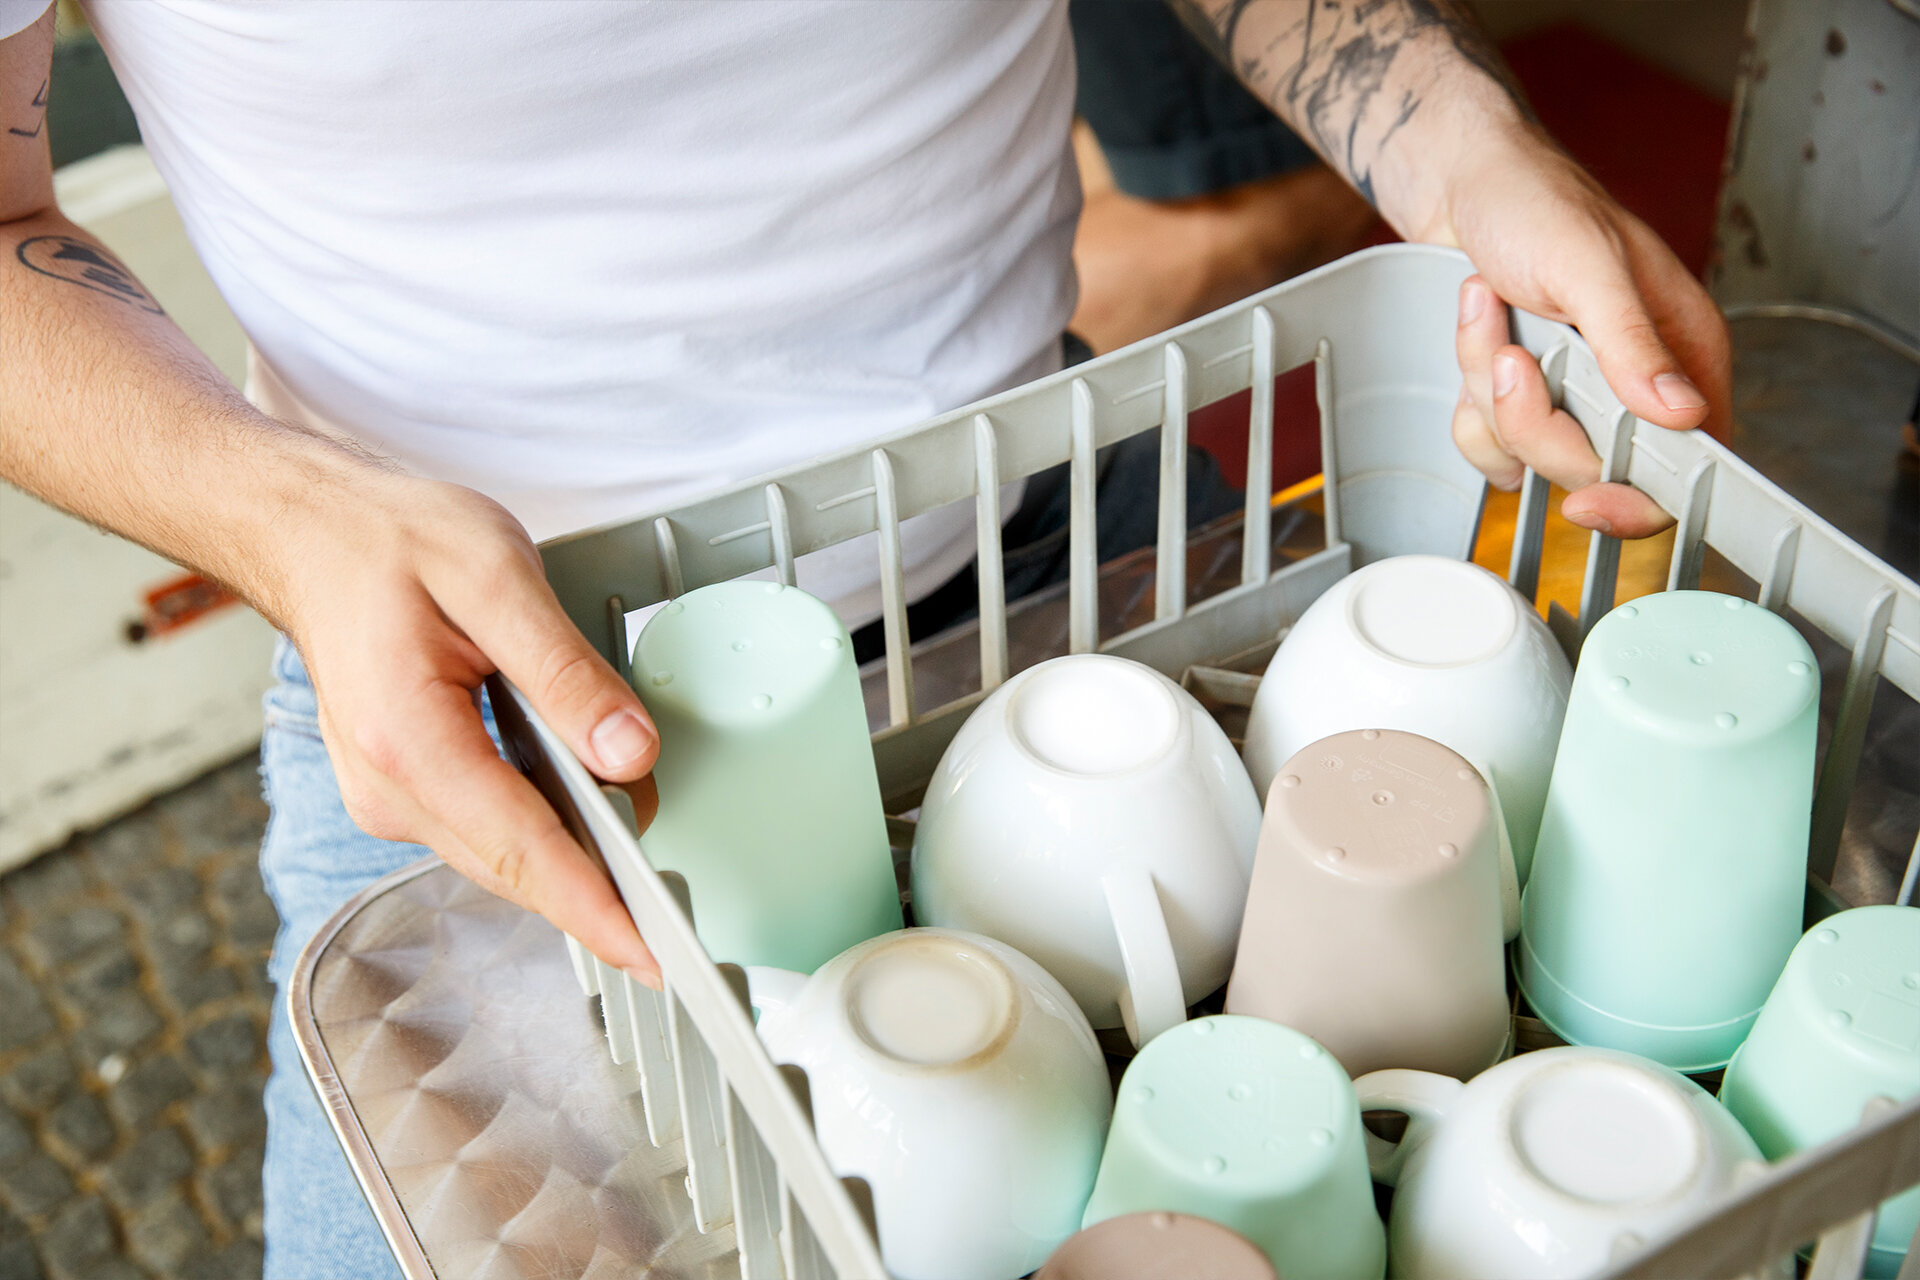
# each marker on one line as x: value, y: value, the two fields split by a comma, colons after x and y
x: 1509, y: 871
x: 1153, y: 1000
x: 1423, y: 1097
x: 772, y: 991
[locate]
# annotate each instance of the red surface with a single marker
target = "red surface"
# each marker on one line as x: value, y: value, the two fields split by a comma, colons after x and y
x: 1653, y: 141
x: 1221, y: 429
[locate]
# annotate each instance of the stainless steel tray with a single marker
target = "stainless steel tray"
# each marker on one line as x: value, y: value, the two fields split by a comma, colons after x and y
x: 472, y: 1091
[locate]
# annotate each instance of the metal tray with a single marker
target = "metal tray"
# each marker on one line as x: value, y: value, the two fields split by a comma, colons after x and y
x: 472, y: 1092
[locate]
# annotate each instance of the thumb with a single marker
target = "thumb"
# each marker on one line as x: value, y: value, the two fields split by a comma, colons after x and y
x: 525, y: 633
x: 1608, y: 308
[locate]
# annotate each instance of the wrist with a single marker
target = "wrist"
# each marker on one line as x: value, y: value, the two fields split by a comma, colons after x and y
x: 309, y: 502
x: 1425, y: 175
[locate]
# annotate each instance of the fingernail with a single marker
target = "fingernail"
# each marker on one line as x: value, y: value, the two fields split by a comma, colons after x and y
x: 1473, y: 300
x: 1506, y: 372
x: 646, y: 978
x: 1677, y: 393
x: 1587, y: 520
x: 620, y: 739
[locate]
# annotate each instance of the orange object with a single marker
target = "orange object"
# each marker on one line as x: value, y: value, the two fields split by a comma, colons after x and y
x: 177, y: 602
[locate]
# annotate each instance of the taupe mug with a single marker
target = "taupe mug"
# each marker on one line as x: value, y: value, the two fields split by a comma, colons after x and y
x: 1374, y: 919
x: 1157, y: 1246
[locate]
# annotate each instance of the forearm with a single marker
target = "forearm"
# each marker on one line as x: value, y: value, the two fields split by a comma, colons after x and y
x: 1398, y: 95
x: 109, y: 412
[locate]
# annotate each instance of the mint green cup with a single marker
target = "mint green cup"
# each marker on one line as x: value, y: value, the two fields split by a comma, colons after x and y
x: 1841, y: 1028
x: 769, y: 801
x: 1670, y: 872
x: 1256, y: 1127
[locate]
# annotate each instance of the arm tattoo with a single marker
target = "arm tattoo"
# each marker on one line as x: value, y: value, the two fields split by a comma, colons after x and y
x: 85, y: 264
x: 39, y: 103
x: 1331, y: 67
x: 1471, y: 43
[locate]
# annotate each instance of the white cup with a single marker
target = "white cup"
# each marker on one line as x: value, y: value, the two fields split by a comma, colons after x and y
x: 961, y: 1081
x: 1432, y: 646
x: 1552, y: 1164
x: 1092, y: 814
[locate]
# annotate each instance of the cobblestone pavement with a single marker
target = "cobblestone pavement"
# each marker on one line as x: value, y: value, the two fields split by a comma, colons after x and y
x: 133, y: 1013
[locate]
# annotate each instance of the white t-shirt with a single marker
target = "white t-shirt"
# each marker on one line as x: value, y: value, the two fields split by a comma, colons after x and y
x: 596, y: 257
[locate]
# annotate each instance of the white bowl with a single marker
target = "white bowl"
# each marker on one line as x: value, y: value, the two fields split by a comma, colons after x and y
x: 1433, y: 646
x: 1092, y: 814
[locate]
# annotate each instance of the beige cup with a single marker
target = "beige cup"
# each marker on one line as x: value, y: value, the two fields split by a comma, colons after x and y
x: 1157, y: 1246
x: 1374, y: 918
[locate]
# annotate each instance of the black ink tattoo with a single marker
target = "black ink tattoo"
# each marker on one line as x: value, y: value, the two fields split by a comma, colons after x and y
x: 40, y: 102
x: 87, y: 265
x: 1472, y: 44
x: 1330, y: 70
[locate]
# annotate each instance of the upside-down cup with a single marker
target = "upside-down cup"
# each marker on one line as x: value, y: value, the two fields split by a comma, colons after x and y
x: 1427, y: 645
x: 1841, y: 1028
x: 1157, y: 1246
x: 1256, y: 1127
x: 1550, y: 1165
x: 958, y: 1078
x: 769, y: 799
x: 1671, y: 868
x: 1373, y: 922
x: 1092, y: 814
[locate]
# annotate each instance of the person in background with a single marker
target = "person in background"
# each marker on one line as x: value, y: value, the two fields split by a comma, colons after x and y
x: 1196, y: 193
x: 512, y: 270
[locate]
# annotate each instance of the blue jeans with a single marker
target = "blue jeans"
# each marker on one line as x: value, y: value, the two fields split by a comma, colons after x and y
x: 314, y: 858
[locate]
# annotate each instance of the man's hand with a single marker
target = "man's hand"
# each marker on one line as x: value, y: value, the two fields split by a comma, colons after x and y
x: 1546, y: 239
x: 402, y: 594
x: 400, y: 611
x: 1409, y: 102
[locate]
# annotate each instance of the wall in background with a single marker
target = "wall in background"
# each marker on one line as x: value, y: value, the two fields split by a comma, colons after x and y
x: 1697, y: 40
x: 1822, y: 199
x: 102, y: 703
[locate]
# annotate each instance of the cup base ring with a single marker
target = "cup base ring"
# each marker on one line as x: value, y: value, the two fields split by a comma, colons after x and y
x: 1689, y: 1050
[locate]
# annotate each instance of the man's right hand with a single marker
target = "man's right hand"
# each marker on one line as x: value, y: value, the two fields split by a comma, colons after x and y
x: 401, y: 594
x: 400, y: 611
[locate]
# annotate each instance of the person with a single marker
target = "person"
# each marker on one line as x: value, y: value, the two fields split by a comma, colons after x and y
x: 1195, y: 194
x: 514, y: 270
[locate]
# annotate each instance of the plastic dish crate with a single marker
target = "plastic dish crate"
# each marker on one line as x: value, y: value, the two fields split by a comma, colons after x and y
x: 1378, y: 328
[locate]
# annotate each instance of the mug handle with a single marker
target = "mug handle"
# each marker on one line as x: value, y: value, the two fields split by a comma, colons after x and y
x: 772, y: 991
x: 1153, y: 999
x: 1509, y: 870
x: 1423, y: 1097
